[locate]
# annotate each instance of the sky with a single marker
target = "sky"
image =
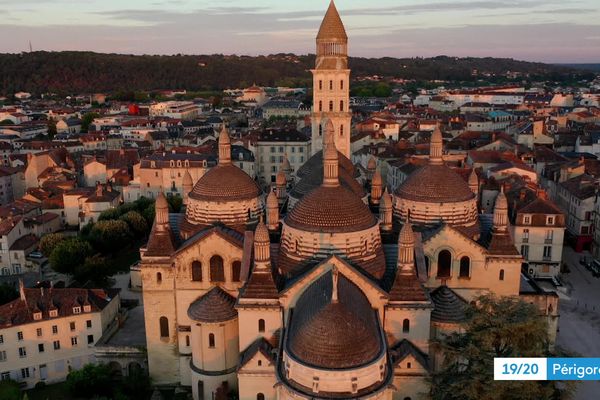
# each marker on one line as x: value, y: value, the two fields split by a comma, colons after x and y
x: 559, y: 31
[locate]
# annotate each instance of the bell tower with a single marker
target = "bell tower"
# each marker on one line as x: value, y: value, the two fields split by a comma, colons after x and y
x: 331, y: 84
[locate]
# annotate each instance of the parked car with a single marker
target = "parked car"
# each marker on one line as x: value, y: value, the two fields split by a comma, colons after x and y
x: 595, y: 268
x: 36, y: 254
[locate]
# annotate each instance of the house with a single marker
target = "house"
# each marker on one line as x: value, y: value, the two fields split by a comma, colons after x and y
x: 103, y: 198
x: 70, y: 125
x: 274, y: 145
x: 576, y: 197
x: 47, y: 332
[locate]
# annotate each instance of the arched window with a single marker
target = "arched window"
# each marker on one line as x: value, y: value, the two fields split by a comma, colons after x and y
x: 158, y: 277
x: 342, y: 84
x: 260, y: 396
x: 501, y: 275
x: 261, y: 325
x: 187, y: 340
x: 408, y: 365
x: 330, y: 85
x: 217, y: 274
x: 236, y: 271
x: 341, y: 105
x: 465, y: 267
x: 211, y: 340
x: 444, y: 264
x: 320, y: 85
x: 320, y: 105
x: 259, y: 363
x: 196, y: 271
x: 407, y: 398
x: 164, y: 327
x: 331, y: 105
x: 342, y: 130
x: 406, y: 325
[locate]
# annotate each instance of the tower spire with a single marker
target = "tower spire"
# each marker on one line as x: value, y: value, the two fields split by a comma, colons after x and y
x: 224, y: 147
x: 330, y: 159
x: 436, y: 147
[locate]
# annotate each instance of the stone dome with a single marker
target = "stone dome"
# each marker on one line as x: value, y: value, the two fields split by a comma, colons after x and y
x: 334, y: 334
x: 435, y: 184
x: 331, y: 209
x: 213, y: 307
x: 225, y: 183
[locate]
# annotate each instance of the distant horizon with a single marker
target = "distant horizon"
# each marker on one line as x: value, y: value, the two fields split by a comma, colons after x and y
x: 547, y: 31
x: 300, y: 55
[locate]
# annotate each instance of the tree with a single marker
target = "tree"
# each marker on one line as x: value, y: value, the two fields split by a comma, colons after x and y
x: 91, y: 379
x: 175, y: 203
x: 6, y: 122
x: 94, y: 270
x: 496, y: 327
x: 87, y: 119
x: 7, y: 293
x: 9, y: 390
x: 68, y: 254
x: 136, y: 222
x: 111, y: 213
x: 110, y: 236
x: 137, y: 385
x: 49, y: 242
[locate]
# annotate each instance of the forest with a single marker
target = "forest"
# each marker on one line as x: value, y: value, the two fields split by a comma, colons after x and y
x: 84, y: 72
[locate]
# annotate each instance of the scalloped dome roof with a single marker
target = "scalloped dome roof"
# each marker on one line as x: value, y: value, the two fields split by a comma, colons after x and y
x: 330, y: 334
x: 435, y: 184
x: 331, y: 209
x: 225, y: 183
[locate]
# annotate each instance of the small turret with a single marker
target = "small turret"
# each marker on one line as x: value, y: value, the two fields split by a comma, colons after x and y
x: 188, y: 186
x: 272, y: 211
x: 385, y: 212
x: 224, y: 147
x: 376, y: 187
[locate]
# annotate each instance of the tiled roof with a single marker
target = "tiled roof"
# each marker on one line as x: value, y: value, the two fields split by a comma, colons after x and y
x: 225, y: 183
x: 214, y: 306
x: 448, y: 306
x: 19, y: 312
x: 334, y: 335
x: 331, y: 209
x: 435, y: 183
x: 332, y: 26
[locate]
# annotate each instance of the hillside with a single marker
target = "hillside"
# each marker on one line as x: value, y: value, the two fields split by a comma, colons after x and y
x: 77, y: 72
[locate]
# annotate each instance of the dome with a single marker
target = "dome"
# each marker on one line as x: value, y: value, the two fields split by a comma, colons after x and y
x: 213, y: 307
x: 225, y: 183
x: 331, y: 209
x: 435, y: 184
x: 272, y: 200
x: 334, y: 334
x: 261, y: 234
x: 406, y: 234
x: 314, y: 179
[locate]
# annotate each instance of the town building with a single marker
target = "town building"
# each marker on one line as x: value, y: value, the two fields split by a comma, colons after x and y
x: 274, y: 146
x: 48, y: 332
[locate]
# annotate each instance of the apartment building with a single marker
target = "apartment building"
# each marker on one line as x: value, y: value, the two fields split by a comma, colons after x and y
x: 47, y: 332
x: 272, y: 147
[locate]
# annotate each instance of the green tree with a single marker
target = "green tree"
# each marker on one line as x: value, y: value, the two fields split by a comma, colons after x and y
x: 49, y: 242
x: 137, y: 223
x: 137, y: 386
x: 110, y: 236
x: 7, y: 293
x: 148, y: 213
x: 175, y: 203
x: 95, y: 270
x: 111, y: 213
x: 496, y: 327
x: 90, y: 380
x: 69, y: 254
x: 9, y: 390
x: 87, y: 119
x: 6, y: 122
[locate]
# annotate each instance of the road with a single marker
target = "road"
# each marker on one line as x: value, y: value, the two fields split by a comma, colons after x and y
x: 579, y: 323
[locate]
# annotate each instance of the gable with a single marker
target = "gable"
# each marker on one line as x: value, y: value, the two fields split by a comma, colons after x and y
x: 450, y: 239
x: 409, y: 364
x: 213, y: 241
x: 377, y: 297
x: 258, y: 362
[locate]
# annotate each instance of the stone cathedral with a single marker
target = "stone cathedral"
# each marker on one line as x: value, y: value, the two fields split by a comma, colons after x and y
x: 325, y: 289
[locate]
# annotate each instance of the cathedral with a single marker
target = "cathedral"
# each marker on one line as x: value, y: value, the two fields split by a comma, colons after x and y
x: 328, y: 287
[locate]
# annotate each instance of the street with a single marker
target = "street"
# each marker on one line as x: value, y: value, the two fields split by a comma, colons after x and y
x: 579, y: 324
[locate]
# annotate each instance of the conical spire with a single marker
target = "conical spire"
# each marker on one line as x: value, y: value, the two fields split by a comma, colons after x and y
x: 161, y: 208
x: 474, y: 182
x: 501, y: 213
x: 224, y: 147
x: 262, y: 253
x: 436, y: 147
x: 385, y: 212
x: 272, y: 211
x: 376, y: 187
x: 330, y: 158
x: 406, y: 244
x: 332, y: 27
x: 188, y: 185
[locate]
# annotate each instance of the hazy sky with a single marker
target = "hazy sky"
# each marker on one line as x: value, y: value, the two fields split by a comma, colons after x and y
x: 537, y: 30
